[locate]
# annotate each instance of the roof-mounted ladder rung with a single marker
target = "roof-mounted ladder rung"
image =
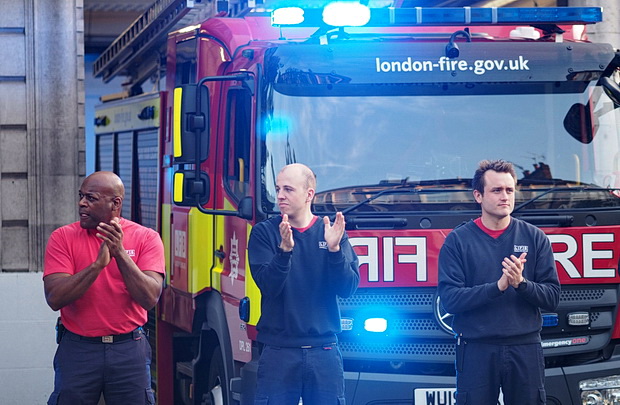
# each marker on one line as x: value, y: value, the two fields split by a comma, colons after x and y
x: 152, y: 28
x: 153, y: 24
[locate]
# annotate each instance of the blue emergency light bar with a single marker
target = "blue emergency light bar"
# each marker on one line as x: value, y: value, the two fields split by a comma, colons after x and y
x: 353, y: 14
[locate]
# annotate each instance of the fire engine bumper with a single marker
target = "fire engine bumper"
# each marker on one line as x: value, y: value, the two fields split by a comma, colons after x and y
x: 561, y: 385
x: 598, y: 373
x: 395, y: 389
x: 390, y: 389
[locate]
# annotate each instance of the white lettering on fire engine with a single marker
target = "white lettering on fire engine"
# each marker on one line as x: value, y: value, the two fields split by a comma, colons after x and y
x: 589, y: 254
x: 564, y: 257
x: 381, y: 268
x: 234, y: 258
x: 180, y: 243
x: 371, y: 258
x: 419, y: 258
x: 245, y: 346
x: 445, y: 64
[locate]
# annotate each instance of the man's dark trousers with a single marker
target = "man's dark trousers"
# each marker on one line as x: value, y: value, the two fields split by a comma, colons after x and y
x: 86, y: 367
x: 483, y: 368
x: 314, y: 374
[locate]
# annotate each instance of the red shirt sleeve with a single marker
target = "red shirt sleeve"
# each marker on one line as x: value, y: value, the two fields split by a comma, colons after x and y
x: 57, y: 255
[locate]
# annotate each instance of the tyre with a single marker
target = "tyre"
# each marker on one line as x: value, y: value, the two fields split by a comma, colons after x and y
x: 217, y: 393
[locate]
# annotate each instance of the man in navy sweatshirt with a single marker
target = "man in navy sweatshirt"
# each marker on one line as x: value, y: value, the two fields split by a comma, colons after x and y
x: 496, y: 273
x: 301, y: 265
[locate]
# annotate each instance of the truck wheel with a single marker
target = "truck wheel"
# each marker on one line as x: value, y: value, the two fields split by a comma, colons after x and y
x: 217, y: 387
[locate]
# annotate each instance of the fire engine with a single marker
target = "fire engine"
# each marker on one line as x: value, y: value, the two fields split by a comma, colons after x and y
x: 392, y: 107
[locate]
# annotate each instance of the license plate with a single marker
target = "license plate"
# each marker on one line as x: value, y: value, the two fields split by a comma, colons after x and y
x: 440, y: 396
x: 434, y: 396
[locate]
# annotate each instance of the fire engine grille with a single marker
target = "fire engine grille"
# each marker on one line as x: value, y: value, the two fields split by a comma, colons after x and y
x: 582, y: 295
x: 415, y: 336
x: 599, y: 301
x: 388, y: 300
x: 396, y: 352
x: 420, y: 325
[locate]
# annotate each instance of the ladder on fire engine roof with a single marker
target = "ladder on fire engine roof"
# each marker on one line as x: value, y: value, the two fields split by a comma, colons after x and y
x: 138, y: 51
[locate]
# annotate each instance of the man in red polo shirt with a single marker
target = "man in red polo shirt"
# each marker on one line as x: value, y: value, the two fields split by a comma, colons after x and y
x: 103, y: 272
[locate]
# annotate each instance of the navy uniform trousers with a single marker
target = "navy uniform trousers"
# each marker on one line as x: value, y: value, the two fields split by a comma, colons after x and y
x: 482, y: 368
x: 87, y: 367
x: 287, y: 374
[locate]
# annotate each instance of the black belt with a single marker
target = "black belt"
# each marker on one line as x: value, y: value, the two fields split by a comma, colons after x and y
x: 325, y: 346
x: 135, y: 334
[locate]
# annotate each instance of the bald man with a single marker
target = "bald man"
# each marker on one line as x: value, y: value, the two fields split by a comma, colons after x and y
x: 103, y: 273
x: 301, y: 265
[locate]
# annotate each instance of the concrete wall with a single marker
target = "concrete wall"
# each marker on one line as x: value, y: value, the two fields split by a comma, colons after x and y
x: 41, y: 125
x: 41, y: 164
x: 27, y: 340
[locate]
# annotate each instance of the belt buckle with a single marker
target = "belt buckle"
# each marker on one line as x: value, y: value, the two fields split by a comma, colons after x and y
x: 107, y: 339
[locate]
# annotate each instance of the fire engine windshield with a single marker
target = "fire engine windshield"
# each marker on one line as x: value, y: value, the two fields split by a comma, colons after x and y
x: 412, y: 147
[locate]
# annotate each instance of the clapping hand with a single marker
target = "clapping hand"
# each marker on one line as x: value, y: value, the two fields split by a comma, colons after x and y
x: 333, y: 233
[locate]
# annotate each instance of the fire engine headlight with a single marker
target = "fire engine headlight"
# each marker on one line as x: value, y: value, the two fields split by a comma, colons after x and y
x: 591, y: 398
x: 346, y: 324
x: 375, y: 325
x: 600, y: 391
x: 579, y: 318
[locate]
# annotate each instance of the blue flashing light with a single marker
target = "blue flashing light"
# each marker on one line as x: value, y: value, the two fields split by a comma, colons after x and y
x: 550, y: 320
x: 244, y: 309
x: 279, y: 128
x: 377, y: 325
x: 558, y: 15
x: 500, y: 15
x: 287, y: 16
x: 346, y: 14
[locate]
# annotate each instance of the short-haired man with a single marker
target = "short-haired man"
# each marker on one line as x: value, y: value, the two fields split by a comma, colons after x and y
x: 103, y: 272
x: 495, y: 274
x: 301, y: 265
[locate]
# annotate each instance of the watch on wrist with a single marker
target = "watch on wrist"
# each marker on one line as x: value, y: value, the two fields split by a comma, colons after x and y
x: 522, y: 284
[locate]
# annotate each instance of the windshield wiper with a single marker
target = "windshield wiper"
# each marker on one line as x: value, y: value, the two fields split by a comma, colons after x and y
x: 562, y: 189
x: 399, y: 190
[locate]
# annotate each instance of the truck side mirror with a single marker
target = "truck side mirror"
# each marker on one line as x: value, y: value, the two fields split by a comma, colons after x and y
x: 188, y: 191
x: 246, y: 208
x: 579, y: 124
x: 190, y: 127
x: 611, y: 89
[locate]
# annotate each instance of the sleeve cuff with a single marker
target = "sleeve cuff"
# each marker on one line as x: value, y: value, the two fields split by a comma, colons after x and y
x: 283, y: 257
x: 493, y: 291
x: 335, y: 257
